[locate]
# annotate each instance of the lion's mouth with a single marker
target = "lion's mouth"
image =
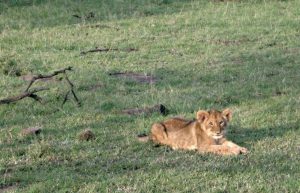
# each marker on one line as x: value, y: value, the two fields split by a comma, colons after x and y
x: 217, y: 136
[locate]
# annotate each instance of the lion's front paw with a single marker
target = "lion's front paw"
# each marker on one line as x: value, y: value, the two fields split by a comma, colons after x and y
x: 235, y: 151
x: 238, y: 150
x: 243, y: 150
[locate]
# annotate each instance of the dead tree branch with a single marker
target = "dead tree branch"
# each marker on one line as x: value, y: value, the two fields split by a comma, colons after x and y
x: 107, y: 50
x: 25, y: 94
x: 40, y: 76
x: 32, y: 92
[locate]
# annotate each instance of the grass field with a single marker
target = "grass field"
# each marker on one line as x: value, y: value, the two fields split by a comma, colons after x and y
x: 243, y: 55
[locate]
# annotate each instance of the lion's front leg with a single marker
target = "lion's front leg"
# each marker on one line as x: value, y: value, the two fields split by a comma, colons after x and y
x: 220, y: 150
x: 230, y: 144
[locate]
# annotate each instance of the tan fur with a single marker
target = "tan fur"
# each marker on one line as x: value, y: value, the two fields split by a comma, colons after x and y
x: 205, y: 134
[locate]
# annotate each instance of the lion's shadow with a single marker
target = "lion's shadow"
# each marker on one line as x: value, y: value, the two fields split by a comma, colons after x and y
x: 247, y: 135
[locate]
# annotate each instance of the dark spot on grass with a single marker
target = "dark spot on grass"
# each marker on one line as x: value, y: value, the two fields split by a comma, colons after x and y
x: 87, y: 16
x: 279, y: 93
x: 142, y: 135
x: 147, y: 110
x: 271, y: 44
x: 92, y: 87
x: 131, y: 167
x: 10, y: 67
x: 271, y: 74
x: 86, y: 135
x: 8, y: 188
x: 31, y: 131
x: 156, y: 145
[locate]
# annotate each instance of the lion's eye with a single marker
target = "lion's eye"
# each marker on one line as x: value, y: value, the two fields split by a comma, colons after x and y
x: 221, y: 122
x: 210, y: 124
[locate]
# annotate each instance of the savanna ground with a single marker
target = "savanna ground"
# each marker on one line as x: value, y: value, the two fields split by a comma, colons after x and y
x: 244, y: 55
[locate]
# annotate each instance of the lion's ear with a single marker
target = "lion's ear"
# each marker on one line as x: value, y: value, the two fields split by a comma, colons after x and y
x: 202, y: 115
x: 227, y: 114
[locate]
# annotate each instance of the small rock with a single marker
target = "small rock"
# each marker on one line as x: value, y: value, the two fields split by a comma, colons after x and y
x: 86, y: 135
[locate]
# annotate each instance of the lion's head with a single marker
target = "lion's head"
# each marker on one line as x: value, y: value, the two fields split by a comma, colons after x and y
x: 214, y: 122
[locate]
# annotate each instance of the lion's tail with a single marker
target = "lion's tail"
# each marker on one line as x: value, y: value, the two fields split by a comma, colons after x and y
x: 143, y: 137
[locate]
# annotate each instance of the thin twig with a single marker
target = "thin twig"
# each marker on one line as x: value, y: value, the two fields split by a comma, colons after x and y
x: 72, y: 90
x: 76, y: 98
x: 65, y: 98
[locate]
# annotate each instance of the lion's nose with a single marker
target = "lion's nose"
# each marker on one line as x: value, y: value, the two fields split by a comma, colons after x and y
x: 219, y: 132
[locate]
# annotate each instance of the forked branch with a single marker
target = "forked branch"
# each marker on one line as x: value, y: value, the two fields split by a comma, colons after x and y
x: 31, y: 93
x: 40, y: 76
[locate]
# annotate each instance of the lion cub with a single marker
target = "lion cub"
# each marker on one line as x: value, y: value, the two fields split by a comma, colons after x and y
x: 205, y: 134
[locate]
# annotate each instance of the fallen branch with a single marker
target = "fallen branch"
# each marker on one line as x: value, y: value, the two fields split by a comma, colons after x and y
x: 107, y: 50
x: 40, y: 76
x: 23, y: 95
x: 31, y: 93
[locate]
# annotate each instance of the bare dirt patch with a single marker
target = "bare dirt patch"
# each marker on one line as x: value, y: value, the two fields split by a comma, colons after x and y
x: 6, y: 189
x: 140, y: 78
x: 31, y: 131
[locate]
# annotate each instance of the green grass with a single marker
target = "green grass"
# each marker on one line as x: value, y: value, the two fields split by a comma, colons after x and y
x: 244, y: 55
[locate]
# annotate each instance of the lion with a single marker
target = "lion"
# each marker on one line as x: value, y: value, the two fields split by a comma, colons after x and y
x: 205, y: 134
